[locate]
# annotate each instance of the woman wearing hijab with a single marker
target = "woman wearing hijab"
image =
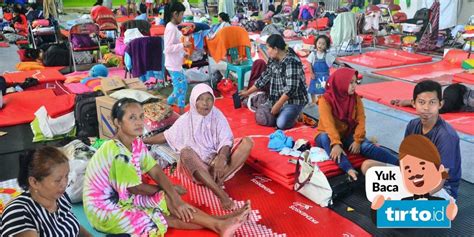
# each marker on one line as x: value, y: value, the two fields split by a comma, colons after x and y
x: 204, y: 140
x: 342, y: 123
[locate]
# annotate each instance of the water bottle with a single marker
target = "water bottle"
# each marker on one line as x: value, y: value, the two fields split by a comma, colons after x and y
x: 1, y: 99
x: 1, y: 15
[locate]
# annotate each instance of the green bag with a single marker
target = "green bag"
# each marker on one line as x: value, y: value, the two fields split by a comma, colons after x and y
x: 38, y: 136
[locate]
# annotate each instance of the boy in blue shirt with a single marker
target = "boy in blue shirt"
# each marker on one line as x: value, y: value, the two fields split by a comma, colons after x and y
x: 427, y: 100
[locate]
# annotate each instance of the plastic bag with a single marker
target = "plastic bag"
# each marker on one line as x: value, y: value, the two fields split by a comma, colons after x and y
x: 76, y: 180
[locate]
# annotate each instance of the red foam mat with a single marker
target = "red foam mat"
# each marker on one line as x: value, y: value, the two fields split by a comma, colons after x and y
x: 20, y: 107
x: 386, y: 58
x: 383, y: 92
x: 464, y: 77
x: 441, y: 71
x: 43, y: 75
x: 124, y: 19
x: 276, y: 211
x: 277, y: 167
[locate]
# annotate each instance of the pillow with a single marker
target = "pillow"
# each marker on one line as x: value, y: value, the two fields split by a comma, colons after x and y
x: 40, y: 22
x: 140, y: 96
x: 28, y: 66
x: 82, y: 41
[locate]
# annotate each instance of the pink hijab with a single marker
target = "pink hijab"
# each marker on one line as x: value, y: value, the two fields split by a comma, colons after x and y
x: 206, y: 135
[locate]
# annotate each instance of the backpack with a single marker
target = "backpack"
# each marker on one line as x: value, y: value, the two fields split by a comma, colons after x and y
x: 56, y: 55
x: 422, y: 14
x: 85, y: 112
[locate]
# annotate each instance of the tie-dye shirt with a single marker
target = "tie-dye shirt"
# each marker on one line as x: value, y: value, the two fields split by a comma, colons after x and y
x: 108, y: 204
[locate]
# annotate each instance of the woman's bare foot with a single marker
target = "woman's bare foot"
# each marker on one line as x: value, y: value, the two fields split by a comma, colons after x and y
x: 228, y: 227
x: 352, y: 174
x: 180, y: 190
x: 227, y: 203
x: 236, y: 212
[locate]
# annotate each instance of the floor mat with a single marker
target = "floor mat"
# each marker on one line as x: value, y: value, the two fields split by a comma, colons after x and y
x: 275, y: 210
x: 464, y: 77
x: 44, y: 75
x: 384, y: 92
x: 278, y: 167
x: 441, y: 71
x: 461, y: 226
x: 386, y: 58
x: 123, y: 19
x: 20, y: 107
x: 113, y: 71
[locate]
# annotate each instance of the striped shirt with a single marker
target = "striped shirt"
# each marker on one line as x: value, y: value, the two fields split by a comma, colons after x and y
x: 24, y: 214
x: 285, y: 77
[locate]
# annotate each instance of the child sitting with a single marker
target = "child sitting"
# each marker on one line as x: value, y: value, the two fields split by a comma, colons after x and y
x: 320, y: 61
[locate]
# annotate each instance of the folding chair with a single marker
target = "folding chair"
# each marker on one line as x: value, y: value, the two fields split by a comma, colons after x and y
x: 35, y: 34
x: 84, y: 37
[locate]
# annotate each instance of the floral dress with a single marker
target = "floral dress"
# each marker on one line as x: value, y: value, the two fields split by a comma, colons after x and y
x: 108, y: 204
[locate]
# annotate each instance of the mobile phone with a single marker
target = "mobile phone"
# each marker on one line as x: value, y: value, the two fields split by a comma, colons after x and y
x: 237, y: 101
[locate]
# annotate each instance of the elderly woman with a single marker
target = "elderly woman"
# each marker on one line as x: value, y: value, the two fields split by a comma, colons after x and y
x: 204, y: 140
x: 44, y: 209
x: 116, y: 201
x: 285, y: 75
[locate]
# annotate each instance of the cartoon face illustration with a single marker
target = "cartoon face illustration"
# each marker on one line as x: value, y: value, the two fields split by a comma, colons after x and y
x: 420, y: 165
x: 420, y: 176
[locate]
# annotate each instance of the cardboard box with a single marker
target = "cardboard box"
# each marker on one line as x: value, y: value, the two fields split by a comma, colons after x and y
x: 135, y: 83
x: 104, y: 108
x: 112, y: 84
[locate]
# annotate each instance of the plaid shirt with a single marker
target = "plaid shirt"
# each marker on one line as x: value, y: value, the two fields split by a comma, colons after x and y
x: 285, y: 77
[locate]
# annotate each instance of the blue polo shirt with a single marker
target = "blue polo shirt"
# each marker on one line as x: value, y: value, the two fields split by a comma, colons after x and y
x: 445, y: 138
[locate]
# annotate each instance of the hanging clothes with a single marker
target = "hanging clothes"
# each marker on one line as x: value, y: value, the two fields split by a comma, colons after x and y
x: 430, y: 36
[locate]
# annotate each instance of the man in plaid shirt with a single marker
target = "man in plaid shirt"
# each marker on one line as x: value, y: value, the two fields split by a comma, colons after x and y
x: 288, y: 93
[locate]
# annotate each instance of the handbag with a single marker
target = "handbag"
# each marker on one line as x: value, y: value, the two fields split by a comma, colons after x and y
x: 312, y: 183
x: 264, y: 116
x: 254, y: 100
x: 226, y: 87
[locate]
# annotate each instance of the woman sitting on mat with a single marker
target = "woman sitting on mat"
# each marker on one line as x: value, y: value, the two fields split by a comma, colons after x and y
x: 342, y: 123
x: 285, y: 75
x: 44, y: 209
x: 456, y: 97
x: 224, y: 21
x: 204, y: 140
x: 117, y: 201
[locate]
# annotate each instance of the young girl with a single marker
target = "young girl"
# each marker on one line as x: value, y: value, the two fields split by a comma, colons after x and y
x: 122, y: 203
x: 174, y: 53
x: 320, y: 61
x: 342, y: 123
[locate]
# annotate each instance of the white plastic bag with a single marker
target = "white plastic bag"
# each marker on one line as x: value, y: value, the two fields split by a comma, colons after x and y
x: 313, y: 184
x: 76, y: 179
